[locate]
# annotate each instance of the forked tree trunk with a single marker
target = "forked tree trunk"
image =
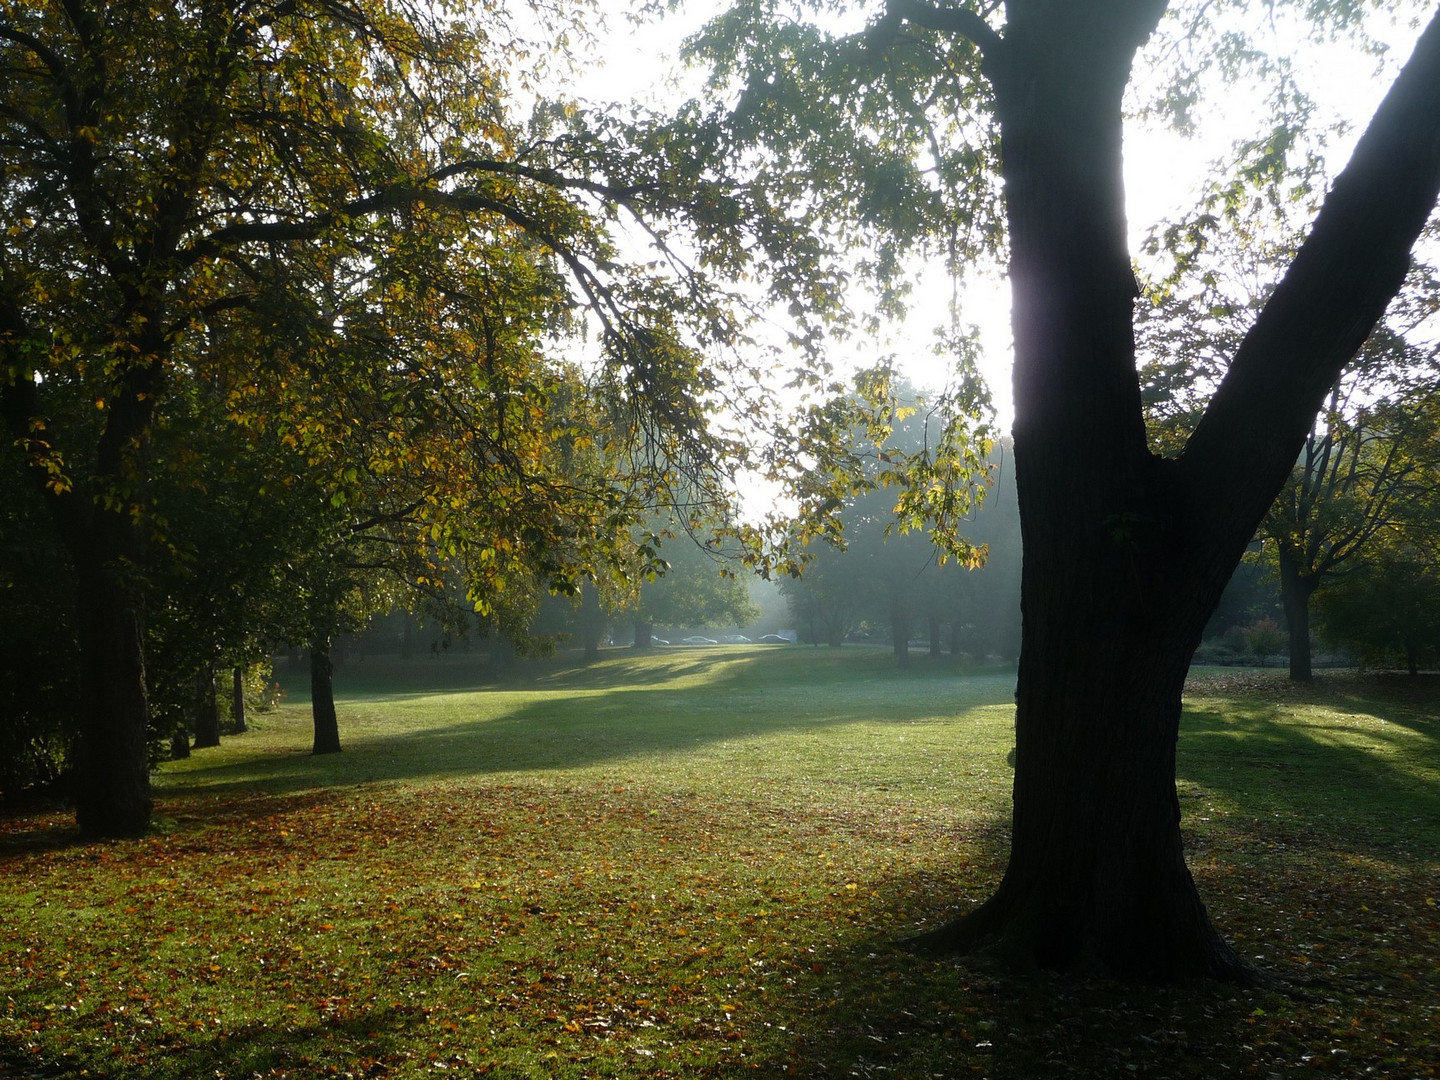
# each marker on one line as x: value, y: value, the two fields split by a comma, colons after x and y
x: 322, y: 698
x: 1126, y: 555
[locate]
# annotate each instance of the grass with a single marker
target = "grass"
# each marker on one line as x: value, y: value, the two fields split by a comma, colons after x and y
x: 698, y: 863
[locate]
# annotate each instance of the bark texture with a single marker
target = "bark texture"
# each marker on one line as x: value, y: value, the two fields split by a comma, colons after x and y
x: 112, y: 767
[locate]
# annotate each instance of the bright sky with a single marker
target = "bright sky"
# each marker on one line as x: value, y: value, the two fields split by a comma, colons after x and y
x: 1163, y: 170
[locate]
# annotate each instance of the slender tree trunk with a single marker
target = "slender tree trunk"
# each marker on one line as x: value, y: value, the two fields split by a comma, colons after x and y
x: 237, y: 698
x: 900, y: 633
x: 207, y: 711
x: 592, y: 622
x: 934, y: 629
x: 322, y: 698
x: 1295, y: 592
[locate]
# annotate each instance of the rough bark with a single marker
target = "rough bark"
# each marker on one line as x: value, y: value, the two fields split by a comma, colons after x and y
x: 97, y: 523
x: 322, y: 698
x: 1295, y: 592
x: 1126, y: 555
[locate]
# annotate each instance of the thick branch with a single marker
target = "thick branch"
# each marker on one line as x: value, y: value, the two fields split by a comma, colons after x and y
x: 948, y: 20
x: 1343, y: 277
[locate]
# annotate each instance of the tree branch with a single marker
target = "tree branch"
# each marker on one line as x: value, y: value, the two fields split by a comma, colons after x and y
x: 1337, y: 288
x: 947, y: 20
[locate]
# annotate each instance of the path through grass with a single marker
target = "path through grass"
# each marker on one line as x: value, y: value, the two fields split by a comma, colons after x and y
x: 698, y: 864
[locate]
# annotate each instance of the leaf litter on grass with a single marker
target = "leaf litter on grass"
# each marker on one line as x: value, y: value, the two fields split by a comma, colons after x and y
x: 712, y: 915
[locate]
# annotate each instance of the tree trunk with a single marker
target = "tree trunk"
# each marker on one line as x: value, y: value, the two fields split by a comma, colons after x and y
x: 644, y: 631
x: 1295, y: 592
x: 97, y: 522
x: 900, y: 633
x: 237, y: 699
x: 934, y: 629
x: 1126, y: 555
x: 322, y: 698
x: 112, y: 765
x: 207, y: 709
x: 592, y: 622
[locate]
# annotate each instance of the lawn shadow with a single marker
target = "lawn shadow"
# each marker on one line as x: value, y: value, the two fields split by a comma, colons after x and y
x: 1313, y: 778
x: 614, y: 717
x: 868, y: 1007
x: 345, y: 1042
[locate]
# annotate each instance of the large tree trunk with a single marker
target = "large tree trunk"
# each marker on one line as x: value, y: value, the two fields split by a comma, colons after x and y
x: 112, y: 766
x: 1295, y: 593
x: 1126, y: 555
x: 97, y: 522
x: 322, y: 698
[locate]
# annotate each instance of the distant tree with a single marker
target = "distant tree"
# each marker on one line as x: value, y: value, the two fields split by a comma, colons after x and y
x: 1353, y: 480
x: 690, y: 586
x: 1387, y: 609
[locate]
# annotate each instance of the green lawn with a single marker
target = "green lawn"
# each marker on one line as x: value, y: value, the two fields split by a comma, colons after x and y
x: 699, y: 863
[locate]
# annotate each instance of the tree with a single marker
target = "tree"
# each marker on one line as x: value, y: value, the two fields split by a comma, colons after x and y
x: 692, y: 586
x: 1368, y: 452
x: 295, y: 202
x: 1388, y: 608
x: 1353, y: 480
x: 1126, y: 552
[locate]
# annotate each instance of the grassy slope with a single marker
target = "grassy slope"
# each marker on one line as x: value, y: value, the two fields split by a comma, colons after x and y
x: 698, y: 864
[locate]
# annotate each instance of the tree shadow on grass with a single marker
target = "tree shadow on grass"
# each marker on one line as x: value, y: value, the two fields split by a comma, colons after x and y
x: 614, y: 718
x: 214, y: 811
x: 344, y: 1042
x: 1313, y: 777
x: 871, y: 1009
